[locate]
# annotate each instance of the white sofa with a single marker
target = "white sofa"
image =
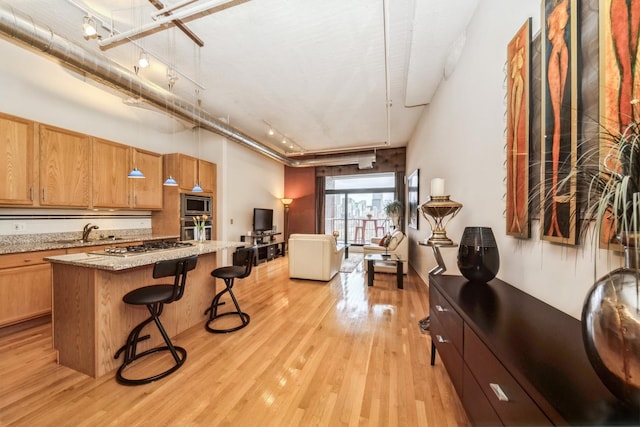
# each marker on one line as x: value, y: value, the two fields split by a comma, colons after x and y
x: 314, y: 257
x: 398, y: 245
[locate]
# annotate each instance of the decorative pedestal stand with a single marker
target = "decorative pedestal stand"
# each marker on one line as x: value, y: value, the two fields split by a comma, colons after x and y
x: 435, y: 271
x: 438, y: 211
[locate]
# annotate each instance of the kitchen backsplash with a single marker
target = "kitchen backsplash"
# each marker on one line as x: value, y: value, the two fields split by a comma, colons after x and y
x: 45, y: 225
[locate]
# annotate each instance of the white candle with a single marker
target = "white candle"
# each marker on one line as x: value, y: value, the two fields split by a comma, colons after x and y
x: 437, y: 187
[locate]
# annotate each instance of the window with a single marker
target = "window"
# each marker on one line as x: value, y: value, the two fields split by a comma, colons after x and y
x: 354, y: 206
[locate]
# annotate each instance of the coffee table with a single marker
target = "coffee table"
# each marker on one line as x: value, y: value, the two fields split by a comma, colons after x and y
x: 391, y: 259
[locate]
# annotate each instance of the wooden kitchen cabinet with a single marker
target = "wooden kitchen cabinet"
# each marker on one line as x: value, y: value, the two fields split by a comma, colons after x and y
x: 17, y: 161
x: 25, y: 286
x: 147, y: 193
x: 111, y: 165
x: 112, y: 188
x: 207, y: 175
x: 188, y: 171
x: 65, y: 168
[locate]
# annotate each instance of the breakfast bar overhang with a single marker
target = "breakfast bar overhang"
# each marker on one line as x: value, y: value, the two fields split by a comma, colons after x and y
x: 90, y: 321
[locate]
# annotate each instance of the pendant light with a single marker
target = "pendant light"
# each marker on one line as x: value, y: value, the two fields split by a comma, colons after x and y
x: 170, y: 182
x: 135, y: 173
x: 196, y: 187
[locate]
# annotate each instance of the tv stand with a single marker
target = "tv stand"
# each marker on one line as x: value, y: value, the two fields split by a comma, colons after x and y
x: 266, y: 246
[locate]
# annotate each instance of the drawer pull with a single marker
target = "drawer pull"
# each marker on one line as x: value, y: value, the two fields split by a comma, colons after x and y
x: 441, y: 339
x: 502, y: 397
x: 440, y: 308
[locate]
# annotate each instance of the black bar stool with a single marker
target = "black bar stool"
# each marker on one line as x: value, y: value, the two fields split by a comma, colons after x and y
x: 155, y: 297
x: 243, y: 260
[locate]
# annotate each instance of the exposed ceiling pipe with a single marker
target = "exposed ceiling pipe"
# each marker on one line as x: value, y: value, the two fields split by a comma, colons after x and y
x: 21, y: 29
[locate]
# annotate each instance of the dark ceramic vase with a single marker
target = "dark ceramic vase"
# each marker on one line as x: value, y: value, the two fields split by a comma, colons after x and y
x: 478, y: 257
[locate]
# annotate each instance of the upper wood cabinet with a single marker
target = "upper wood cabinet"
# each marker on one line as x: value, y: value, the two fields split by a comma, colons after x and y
x: 65, y: 168
x: 112, y: 188
x: 207, y: 175
x: 16, y: 161
x: 188, y: 171
x: 147, y: 192
x: 111, y: 165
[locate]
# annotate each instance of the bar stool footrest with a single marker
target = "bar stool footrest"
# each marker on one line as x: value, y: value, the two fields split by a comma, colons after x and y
x: 243, y: 316
x: 138, y: 381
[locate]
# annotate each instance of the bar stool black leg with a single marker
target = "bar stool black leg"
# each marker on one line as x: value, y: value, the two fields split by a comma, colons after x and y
x: 130, y: 349
x: 433, y: 354
x: 213, y: 310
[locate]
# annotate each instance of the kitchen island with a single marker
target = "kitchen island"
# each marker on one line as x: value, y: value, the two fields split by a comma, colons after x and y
x: 90, y: 321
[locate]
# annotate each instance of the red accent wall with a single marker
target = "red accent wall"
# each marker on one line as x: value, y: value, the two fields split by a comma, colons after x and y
x: 300, y: 185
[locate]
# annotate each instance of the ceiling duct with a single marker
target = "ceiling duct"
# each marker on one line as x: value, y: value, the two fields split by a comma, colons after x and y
x: 21, y: 29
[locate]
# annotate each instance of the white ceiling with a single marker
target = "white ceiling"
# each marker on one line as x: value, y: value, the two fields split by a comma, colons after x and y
x: 320, y: 72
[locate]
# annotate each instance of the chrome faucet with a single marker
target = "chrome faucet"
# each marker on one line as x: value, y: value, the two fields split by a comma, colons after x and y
x: 86, y: 230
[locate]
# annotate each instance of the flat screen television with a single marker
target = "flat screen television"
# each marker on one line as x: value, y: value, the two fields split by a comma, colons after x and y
x: 262, y: 219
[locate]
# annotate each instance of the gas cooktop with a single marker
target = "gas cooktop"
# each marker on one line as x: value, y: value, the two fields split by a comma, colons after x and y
x: 143, y: 249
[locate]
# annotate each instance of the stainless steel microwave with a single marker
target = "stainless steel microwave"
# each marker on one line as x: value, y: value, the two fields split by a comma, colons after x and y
x: 194, y: 205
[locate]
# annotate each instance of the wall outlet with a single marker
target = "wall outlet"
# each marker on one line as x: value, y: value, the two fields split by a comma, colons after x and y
x: 19, y: 226
x: 231, y: 221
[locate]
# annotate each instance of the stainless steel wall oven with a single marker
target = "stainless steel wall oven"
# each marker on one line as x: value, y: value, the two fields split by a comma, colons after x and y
x: 192, y: 205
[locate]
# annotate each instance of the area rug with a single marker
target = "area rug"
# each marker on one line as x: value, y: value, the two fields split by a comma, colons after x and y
x: 351, y: 263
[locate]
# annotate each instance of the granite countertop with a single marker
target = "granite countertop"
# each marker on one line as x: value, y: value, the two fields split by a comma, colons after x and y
x: 77, y: 243
x: 101, y: 261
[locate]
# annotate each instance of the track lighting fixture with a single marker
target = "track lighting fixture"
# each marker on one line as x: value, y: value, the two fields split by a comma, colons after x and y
x: 89, y: 27
x: 288, y: 142
x: 172, y: 77
x: 143, y: 62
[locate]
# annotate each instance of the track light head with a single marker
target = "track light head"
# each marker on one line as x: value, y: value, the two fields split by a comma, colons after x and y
x: 143, y: 62
x: 89, y: 27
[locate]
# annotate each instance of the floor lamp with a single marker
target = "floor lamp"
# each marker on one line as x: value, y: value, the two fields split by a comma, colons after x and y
x: 286, y: 202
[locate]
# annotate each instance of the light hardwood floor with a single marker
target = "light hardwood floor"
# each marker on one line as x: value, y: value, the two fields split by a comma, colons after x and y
x: 328, y: 354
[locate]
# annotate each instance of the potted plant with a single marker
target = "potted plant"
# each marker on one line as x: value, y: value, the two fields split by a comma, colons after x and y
x: 394, y: 211
x: 611, y: 311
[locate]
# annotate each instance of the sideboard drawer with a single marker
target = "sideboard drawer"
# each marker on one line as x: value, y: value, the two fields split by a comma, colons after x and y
x: 450, y: 320
x: 451, y: 359
x: 476, y: 404
x: 512, y: 404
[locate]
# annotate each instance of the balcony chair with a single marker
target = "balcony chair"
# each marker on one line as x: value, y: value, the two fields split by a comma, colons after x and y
x: 398, y: 245
x: 155, y: 297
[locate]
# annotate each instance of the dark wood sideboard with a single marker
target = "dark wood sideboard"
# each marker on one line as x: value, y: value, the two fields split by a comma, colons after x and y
x: 515, y: 360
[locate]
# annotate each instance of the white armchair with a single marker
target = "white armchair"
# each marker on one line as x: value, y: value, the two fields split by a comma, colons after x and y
x: 398, y: 245
x: 314, y: 257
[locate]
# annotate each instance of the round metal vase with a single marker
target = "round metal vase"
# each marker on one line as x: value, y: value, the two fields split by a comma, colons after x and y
x: 611, y: 333
x: 478, y: 257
